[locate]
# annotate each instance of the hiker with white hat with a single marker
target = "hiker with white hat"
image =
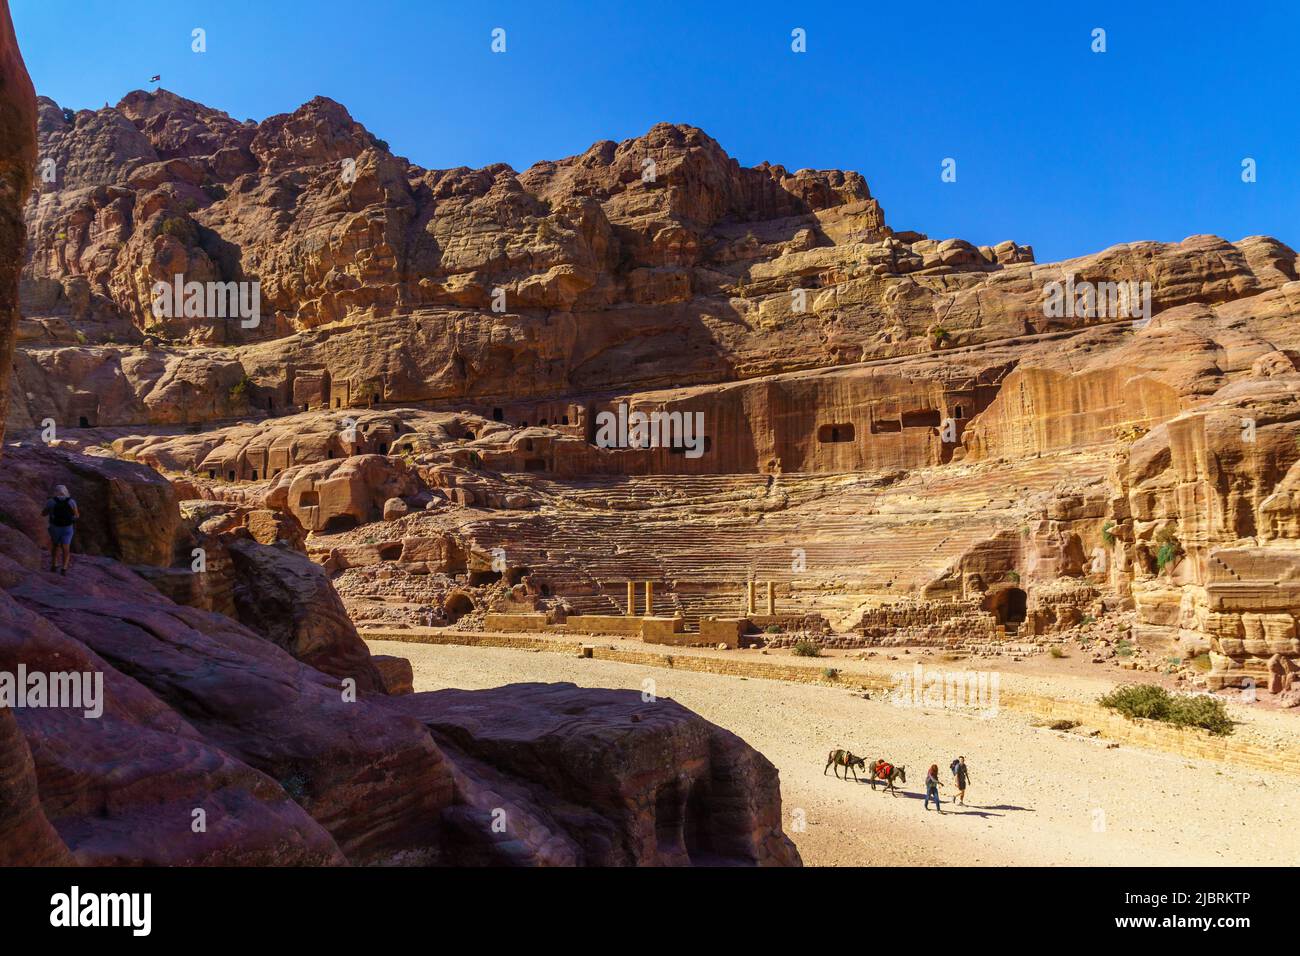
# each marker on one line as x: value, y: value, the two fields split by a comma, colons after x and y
x: 62, y: 509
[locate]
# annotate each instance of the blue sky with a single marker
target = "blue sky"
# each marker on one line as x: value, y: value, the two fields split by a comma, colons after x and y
x: 1056, y: 146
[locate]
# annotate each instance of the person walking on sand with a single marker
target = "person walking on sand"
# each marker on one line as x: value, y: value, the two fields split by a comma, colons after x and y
x: 63, y: 513
x: 932, y: 788
x: 961, y: 775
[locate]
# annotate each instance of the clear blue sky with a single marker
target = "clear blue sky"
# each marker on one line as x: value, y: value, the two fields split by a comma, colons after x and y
x: 1056, y: 146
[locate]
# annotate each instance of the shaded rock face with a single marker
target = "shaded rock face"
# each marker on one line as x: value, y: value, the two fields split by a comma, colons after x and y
x: 26, y: 836
x: 216, y: 719
x: 655, y: 784
x: 283, y: 596
x: 17, y: 159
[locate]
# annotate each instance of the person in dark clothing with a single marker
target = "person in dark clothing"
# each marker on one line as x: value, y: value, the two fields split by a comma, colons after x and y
x: 63, y: 514
x: 961, y: 774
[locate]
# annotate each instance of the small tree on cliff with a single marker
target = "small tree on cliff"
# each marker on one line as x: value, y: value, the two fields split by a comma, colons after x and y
x: 241, y: 393
x: 1168, y: 549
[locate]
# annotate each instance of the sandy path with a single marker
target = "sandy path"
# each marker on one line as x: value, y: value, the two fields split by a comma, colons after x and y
x: 1036, y: 797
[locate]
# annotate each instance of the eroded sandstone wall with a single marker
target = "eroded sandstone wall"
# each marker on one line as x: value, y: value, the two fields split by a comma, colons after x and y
x: 17, y: 162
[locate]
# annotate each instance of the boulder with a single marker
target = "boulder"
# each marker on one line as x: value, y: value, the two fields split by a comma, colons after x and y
x: 280, y: 594
x: 655, y: 779
x: 395, y: 673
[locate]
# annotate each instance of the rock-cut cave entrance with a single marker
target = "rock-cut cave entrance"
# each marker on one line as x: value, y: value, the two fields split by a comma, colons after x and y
x: 340, y: 523
x: 457, y: 605
x: 1008, y: 605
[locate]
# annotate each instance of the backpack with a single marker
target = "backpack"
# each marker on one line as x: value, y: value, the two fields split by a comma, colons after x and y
x: 61, y: 514
x: 954, y: 766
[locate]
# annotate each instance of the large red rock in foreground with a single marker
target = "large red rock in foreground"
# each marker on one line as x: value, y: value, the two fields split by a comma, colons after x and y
x: 605, y: 778
x: 26, y: 837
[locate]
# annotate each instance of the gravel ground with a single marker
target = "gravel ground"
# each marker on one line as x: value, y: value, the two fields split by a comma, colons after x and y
x: 1036, y: 796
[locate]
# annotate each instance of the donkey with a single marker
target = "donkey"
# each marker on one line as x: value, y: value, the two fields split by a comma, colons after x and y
x: 842, y: 758
x: 884, y: 770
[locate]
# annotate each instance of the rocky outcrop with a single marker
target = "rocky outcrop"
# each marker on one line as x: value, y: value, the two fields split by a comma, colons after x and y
x: 128, y: 512
x: 658, y: 785
x: 17, y: 162
x: 286, y: 598
x: 26, y: 837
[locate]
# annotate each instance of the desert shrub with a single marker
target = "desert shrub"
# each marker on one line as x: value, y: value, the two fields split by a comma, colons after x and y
x: 180, y: 227
x: 1063, y: 725
x: 214, y: 191
x: 831, y: 673
x: 1108, y: 532
x: 1199, y: 710
x: 1057, y: 652
x: 1124, y: 647
x: 1137, y: 700
x: 1012, y: 576
x: 807, y: 649
x: 239, y: 392
x: 1168, y: 548
x: 1149, y: 702
x: 771, y: 629
x: 1088, y: 619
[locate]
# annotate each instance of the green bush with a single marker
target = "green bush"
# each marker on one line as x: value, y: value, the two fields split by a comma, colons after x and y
x: 239, y: 392
x: 771, y: 629
x: 1107, y: 532
x: 1057, y: 652
x: 1124, y: 648
x: 831, y: 673
x: 1168, y: 548
x: 807, y: 649
x: 1149, y: 702
x: 180, y: 227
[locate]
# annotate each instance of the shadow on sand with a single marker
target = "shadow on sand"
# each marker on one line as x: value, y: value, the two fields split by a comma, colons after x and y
x: 959, y: 810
